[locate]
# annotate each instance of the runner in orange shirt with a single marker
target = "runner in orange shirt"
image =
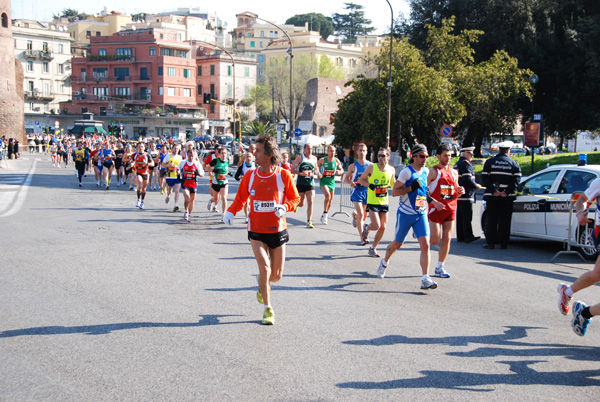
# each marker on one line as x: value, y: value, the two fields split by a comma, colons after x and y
x: 271, y: 192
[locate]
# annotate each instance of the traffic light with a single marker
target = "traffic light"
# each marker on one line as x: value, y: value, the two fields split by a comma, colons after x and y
x: 207, y: 98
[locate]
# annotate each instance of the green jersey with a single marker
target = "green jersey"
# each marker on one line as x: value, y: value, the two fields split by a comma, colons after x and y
x: 329, y: 168
x: 306, y: 169
x: 220, y: 169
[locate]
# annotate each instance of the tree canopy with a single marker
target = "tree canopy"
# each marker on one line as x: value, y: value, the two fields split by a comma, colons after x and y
x: 70, y: 14
x: 555, y: 39
x: 352, y: 23
x: 316, y: 22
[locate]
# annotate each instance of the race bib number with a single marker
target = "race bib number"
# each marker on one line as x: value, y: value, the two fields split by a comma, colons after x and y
x: 221, y: 177
x: 447, y: 191
x: 307, y: 173
x: 329, y: 173
x: 420, y: 203
x: 264, y: 206
x: 381, y: 191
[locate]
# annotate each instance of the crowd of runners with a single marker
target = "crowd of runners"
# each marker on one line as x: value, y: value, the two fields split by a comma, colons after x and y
x: 271, y: 187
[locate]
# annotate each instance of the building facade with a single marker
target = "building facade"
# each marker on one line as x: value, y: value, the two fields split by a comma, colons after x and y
x: 44, y: 52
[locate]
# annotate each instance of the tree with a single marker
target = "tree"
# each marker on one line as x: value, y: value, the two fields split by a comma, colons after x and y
x: 276, y: 89
x: 255, y: 127
x: 555, y: 39
x: 351, y: 24
x: 70, y: 14
x: 316, y: 22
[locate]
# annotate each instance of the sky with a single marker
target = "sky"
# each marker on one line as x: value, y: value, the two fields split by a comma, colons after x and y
x: 378, y: 11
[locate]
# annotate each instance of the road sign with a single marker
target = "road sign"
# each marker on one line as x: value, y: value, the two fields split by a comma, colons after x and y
x: 37, y: 123
x: 447, y: 130
x: 56, y: 124
x: 297, y: 132
x: 446, y: 140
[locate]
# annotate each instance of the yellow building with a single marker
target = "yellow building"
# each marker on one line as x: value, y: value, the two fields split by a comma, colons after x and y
x: 100, y: 25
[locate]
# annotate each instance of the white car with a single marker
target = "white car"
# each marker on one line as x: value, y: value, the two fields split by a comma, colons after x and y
x: 541, y: 209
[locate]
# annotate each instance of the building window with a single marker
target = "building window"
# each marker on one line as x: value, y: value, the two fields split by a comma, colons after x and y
x: 152, y: 51
x: 121, y: 73
x: 246, y: 91
x: 30, y: 86
x: 339, y: 62
x: 101, y: 91
x: 29, y: 65
x: 199, y: 71
x: 61, y: 68
x: 45, y: 67
x: 122, y: 91
x: 45, y: 46
x: 98, y: 33
x: 212, y: 107
x: 212, y: 90
x: 170, y: 91
x: 160, y: 91
x: 246, y: 71
x: 88, y: 34
x: 199, y: 89
x: 229, y: 70
x: 60, y: 48
x: 101, y: 52
x: 262, y: 34
x: 212, y: 69
x: 123, y: 51
x: 187, y: 73
x: 187, y: 92
x: 4, y: 20
x: 29, y: 45
x: 171, y: 71
x: 229, y: 90
x: 260, y: 44
x: 261, y: 58
x: 160, y: 71
x: 31, y: 105
x: 252, y: 43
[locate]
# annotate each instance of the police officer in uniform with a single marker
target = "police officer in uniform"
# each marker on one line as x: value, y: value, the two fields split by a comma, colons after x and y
x: 464, y: 210
x: 500, y: 178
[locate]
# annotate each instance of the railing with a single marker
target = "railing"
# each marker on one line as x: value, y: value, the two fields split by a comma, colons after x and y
x: 112, y: 57
x: 104, y: 98
x: 35, y: 94
x: 109, y: 78
x: 38, y: 54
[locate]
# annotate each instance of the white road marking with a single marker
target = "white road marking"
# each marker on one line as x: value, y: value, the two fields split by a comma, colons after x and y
x: 20, y: 199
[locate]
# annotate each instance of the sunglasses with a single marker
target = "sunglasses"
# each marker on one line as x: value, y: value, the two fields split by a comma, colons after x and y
x: 423, y: 156
x: 381, y: 155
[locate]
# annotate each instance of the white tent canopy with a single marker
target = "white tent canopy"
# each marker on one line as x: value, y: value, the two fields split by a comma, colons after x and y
x: 314, y: 140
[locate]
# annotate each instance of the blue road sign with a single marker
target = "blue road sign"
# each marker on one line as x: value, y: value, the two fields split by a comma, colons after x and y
x: 447, y: 131
x: 297, y: 132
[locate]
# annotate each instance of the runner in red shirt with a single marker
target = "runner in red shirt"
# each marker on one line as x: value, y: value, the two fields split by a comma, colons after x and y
x: 444, y: 190
x: 271, y: 192
x: 190, y: 169
x: 142, y: 162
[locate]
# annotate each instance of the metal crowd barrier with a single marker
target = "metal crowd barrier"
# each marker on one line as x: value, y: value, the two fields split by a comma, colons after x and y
x: 579, y: 240
x: 344, y: 197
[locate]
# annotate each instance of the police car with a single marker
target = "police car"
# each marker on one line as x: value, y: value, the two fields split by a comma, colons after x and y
x: 541, y: 208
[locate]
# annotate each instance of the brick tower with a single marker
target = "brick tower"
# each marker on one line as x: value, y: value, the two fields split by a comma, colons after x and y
x: 12, y: 121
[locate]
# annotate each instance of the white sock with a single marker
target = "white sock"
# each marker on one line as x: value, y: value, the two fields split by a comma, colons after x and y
x: 268, y: 306
x: 384, y: 262
x: 440, y: 264
x: 569, y: 292
x: 426, y: 276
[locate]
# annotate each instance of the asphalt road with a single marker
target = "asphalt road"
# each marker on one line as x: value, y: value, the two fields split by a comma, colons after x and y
x: 102, y: 301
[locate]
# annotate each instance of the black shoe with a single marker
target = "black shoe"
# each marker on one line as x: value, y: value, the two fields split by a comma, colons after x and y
x: 460, y: 240
x: 488, y: 246
x: 472, y: 239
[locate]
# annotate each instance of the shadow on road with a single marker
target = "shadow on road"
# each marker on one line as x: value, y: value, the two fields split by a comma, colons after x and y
x: 513, y: 337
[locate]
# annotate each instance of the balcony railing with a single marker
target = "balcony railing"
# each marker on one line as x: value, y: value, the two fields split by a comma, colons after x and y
x: 111, y: 98
x: 112, y: 57
x: 36, y: 94
x: 38, y: 54
x: 119, y: 78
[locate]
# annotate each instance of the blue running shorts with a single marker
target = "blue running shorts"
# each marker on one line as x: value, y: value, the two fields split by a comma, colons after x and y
x: 418, y: 223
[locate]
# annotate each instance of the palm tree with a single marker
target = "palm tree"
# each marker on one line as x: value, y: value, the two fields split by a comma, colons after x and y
x: 256, y: 127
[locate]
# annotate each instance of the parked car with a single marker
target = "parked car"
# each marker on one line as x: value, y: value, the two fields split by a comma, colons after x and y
x: 541, y: 209
x: 517, y: 152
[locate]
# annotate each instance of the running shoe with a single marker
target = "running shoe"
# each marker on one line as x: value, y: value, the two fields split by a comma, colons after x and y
x: 142, y: 205
x: 365, y: 234
x: 564, y: 301
x: 354, y: 219
x: 440, y: 272
x: 381, y: 269
x: 579, y: 323
x: 246, y: 220
x: 175, y: 208
x: 185, y: 216
x: 137, y: 204
x: 80, y: 185
x: 167, y: 199
x: 162, y: 191
x: 215, y: 209
x: 427, y: 283
x: 209, y: 205
x: 310, y: 225
x: 98, y: 184
x: 258, y: 294
x: 107, y: 186
x: 268, y: 317
x: 130, y: 188
x: 373, y: 252
x: 324, y: 219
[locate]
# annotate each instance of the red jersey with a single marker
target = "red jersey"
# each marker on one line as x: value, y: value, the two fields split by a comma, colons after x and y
x: 265, y: 191
x: 189, y: 171
x: 443, y: 188
x: 140, y: 163
x: 286, y: 166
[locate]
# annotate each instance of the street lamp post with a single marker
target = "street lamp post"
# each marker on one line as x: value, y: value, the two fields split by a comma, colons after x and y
x: 389, y: 84
x: 291, y: 53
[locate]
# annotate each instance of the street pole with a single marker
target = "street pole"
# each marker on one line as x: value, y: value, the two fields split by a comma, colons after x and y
x: 290, y: 51
x: 389, y: 84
